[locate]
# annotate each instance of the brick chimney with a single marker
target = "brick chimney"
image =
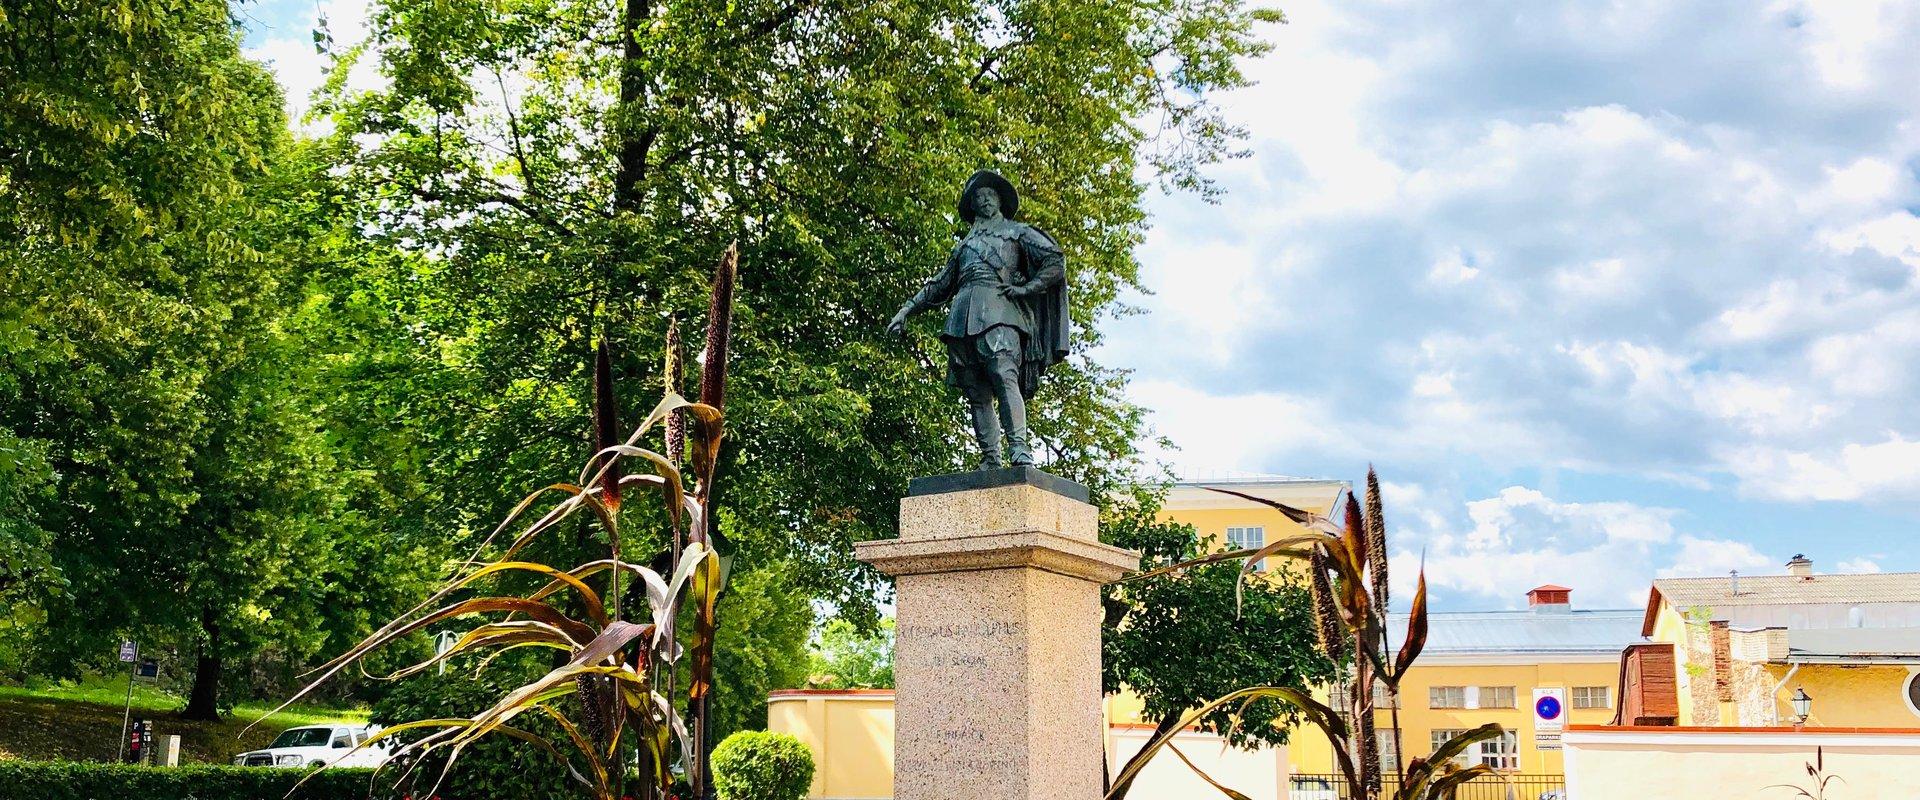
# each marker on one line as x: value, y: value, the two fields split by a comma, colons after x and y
x: 1800, y: 566
x: 1549, y: 599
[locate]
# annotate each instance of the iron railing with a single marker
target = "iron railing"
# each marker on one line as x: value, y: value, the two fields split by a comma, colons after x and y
x: 1310, y: 786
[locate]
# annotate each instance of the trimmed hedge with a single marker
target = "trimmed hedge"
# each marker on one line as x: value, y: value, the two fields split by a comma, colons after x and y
x: 79, y: 780
x: 759, y: 765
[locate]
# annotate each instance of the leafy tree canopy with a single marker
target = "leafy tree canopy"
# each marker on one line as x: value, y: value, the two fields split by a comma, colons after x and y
x: 1182, y: 639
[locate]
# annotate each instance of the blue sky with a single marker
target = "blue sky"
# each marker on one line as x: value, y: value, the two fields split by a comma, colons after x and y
x: 1606, y: 291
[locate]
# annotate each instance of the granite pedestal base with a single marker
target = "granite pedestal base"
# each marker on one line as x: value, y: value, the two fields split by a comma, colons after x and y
x: 997, y: 650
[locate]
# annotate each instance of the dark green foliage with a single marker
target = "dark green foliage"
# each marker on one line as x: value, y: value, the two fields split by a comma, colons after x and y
x: 757, y: 765
x: 491, y: 769
x: 67, y: 780
x: 1178, y: 640
x: 761, y: 646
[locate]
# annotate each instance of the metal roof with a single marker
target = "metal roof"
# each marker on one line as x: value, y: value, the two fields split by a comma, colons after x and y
x: 1583, y: 631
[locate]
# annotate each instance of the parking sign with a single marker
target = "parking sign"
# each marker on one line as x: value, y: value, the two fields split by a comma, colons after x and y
x: 129, y: 652
x: 1549, y: 717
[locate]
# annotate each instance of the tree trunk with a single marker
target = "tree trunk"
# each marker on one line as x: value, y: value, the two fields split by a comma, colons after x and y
x: 203, y: 702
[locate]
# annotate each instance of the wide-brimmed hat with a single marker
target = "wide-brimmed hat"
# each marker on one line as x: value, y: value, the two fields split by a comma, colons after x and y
x: 1009, y: 199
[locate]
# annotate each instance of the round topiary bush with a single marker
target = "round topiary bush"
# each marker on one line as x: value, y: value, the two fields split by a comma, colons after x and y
x: 759, y: 765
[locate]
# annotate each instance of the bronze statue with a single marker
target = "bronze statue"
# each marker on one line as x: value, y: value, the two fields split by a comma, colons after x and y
x: 1008, y: 319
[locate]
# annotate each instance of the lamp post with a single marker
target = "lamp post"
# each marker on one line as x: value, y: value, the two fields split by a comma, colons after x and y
x: 1802, y: 706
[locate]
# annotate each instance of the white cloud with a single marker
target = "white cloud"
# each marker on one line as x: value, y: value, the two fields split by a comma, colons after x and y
x: 1855, y: 566
x: 1850, y: 472
x: 1521, y: 538
x: 1491, y: 233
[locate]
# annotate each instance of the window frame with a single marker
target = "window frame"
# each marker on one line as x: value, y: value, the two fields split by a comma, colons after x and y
x: 1443, y: 690
x: 1487, y: 693
x: 1241, y: 544
x: 1575, y: 700
x: 1507, y: 752
x: 1435, y: 740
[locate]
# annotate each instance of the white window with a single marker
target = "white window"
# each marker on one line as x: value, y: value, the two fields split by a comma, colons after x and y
x: 1502, y: 752
x: 1384, y: 745
x: 1248, y: 538
x: 1446, y: 697
x: 1592, y: 697
x: 1440, y: 736
x: 1496, y: 697
x: 1381, y: 698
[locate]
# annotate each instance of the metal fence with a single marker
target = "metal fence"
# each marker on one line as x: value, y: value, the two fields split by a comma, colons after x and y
x: 1306, y: 786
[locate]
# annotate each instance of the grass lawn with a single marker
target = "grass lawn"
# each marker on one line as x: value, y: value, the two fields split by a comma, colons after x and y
x: 81, y: 722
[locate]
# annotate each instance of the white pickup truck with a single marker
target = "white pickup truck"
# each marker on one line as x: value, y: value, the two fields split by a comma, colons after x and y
x: 330, y: 744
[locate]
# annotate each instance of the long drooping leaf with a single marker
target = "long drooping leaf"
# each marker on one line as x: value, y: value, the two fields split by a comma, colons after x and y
x: 579, y: 632
x: 1416, y: 638
x: 1203, y: 774
x: 1316, y: 712
x: 1419, y: 778
x: 505, y: 635
x: 1186, y: 565
x: 1443, y: 787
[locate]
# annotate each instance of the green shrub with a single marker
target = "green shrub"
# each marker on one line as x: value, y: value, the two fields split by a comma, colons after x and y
x: 75, y: 780
x: 497, y: 768
x: 758, y: 765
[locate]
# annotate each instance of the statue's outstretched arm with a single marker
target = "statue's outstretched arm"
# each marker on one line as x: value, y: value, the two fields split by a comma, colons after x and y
x: 938, y: 289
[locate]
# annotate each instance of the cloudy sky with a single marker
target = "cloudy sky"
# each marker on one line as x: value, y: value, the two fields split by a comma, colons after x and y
x: 1605, y: 290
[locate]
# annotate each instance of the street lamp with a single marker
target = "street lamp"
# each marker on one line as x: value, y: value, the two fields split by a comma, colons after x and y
x: 1802, y: 704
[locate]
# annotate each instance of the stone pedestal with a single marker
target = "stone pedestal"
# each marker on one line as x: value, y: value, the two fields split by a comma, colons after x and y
x: 997, y: 653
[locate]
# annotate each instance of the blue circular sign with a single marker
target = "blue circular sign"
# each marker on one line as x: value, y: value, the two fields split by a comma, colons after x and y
x: 1547, y: 707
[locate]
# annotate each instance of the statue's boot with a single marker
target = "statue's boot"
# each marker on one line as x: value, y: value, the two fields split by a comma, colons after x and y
x: 986, y: 427
x: 1013, y: 410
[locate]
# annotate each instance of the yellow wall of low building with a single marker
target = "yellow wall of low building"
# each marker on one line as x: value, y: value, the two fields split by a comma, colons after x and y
x: 1418, y: 721
x: 851, y: 737
x: 1849, y: 696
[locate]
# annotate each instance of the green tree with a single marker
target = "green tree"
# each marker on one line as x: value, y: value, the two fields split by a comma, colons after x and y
x: 1182, y: 639
x: 160, y: 415
x: 846, y: 657
x: 761, y: 646
x: 563, y: 171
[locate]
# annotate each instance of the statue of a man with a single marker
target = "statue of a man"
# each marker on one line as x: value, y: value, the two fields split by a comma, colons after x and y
x: 1008, y: 319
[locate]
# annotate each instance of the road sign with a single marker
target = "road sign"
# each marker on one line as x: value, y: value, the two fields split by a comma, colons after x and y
x: 129, y: 652
x: 148, y: 670
x: 1549, y: 717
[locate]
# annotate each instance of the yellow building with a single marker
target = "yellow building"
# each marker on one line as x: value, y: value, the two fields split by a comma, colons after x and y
x: 1478, y: 667
x: 1743, y: 646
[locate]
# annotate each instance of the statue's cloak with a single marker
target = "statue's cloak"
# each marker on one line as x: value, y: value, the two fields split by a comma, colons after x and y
x: 1051, y: 333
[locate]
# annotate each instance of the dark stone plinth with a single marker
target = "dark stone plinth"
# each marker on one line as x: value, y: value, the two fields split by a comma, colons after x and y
x: 992, y: 478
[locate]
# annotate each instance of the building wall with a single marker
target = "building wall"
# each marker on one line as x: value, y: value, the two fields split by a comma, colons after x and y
x: 850, y: 734
x: 1308, y: 750
x: 1418, y: 721
x: 1638, y: 763
x: 1693, y: 665
x: 1844, y: 695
